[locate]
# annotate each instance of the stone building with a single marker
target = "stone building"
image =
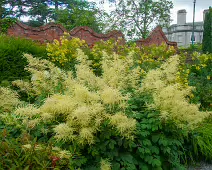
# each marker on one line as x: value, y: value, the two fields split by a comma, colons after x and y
x: 182, y: 31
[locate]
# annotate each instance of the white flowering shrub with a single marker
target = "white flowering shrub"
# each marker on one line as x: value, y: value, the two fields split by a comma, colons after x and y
x: 86, y: 101
x: 46, y: 78
x: 8, y: 99
x: 98, y: 120
x: 170, y: 97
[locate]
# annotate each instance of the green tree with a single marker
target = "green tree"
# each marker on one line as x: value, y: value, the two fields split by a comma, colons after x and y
x: 136, y: 17
x: 80, y: 14
x: 11, y: 8
x: 70, y: 13
x: 207, y: 34
x: 39, y: 13
x: 3, y: 12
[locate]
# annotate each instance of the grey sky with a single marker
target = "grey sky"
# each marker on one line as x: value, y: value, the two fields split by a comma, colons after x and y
x: 178, y: 4
x: 188, y: 6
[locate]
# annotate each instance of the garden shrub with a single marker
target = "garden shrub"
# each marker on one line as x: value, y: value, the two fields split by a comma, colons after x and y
x: 9, y: 99
x: 131, y: 110
x: 159, y: 145
x: 17, y: 154
x: 201, y: 141
x: 6, y: 23
x: 12, y: 62
x: 115, y: 120
x: 64, y: 54
x: 170, y: 97
x: 200, y: 76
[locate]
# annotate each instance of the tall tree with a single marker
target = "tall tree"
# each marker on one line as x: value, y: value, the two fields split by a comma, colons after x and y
x: 80, y: 14
x: 11, y: 8
x: 70, y: 13
x: 39, y: 12
x: 136, y: 17
x: 16, y: 8
x: 207, y: 34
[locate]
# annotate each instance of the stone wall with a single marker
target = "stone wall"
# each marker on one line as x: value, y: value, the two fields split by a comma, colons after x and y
x: 53, y: 31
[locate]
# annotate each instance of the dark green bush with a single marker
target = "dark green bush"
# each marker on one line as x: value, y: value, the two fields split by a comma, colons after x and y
x: 12, y: 62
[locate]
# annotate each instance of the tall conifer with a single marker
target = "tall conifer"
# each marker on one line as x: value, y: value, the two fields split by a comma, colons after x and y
x: 207, y: 34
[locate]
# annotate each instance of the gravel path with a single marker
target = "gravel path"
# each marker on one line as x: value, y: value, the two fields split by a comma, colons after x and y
x: 202, y: 166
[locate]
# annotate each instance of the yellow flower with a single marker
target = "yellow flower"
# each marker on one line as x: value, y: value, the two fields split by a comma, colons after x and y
x: 197, y: 67
x: 208, y: 77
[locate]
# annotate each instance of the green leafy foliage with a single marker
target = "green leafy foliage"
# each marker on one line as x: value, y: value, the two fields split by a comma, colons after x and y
x: 200, y: 76
x: 159, y: 145
x: 207, y: 36
x: 6, y: 23
x: 27, y: 133
x: 12, y: 62
x: 135, y: 18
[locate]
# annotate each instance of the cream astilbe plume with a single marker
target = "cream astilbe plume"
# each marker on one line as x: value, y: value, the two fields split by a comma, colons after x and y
x: 83, y: 104
x: 111, y: 96
x: 64, y: 132
x: 58, y: 105
x: 8, y: 99
x: 173, y: 102
x: 82, y: 116
x: 105, y: 164
x: 27, y: 111
x: 124, y: 124
x: 86, y: 134
x: 85, y: 75
x: 82, y: 94
x: 31, y: 123
x: 170, y: 97
x: 63, y: 154
x: 45, y: 77
x: 118, y: 72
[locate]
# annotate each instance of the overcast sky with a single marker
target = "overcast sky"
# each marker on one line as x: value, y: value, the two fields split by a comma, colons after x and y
x: 179, y: 4
x: 201, y: 5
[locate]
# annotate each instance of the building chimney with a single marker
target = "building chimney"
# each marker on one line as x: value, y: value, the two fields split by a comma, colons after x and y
x: 204, y: 13
x: 181, y: 17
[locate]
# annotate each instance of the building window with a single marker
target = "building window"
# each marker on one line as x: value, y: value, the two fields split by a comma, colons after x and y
x: 194, y: 38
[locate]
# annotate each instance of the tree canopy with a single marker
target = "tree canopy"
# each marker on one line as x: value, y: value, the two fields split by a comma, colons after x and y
x: 70, y: 13
x: 136, y: 17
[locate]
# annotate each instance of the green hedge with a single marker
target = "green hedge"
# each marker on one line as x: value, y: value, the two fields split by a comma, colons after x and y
x: 12, y: 62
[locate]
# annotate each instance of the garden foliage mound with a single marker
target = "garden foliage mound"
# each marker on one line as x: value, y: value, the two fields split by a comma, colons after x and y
x: 114, y: 107
x: 12, y: 62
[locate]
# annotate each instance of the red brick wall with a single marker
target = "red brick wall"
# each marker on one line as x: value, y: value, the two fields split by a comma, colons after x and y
x: 53, y: 31
x: 157, y: 37
x: 91, y: 37
x: 42, y: 34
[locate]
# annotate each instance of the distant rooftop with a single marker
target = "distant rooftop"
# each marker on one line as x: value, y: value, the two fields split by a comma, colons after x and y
x: 181, y: 11
x: 200, y: 23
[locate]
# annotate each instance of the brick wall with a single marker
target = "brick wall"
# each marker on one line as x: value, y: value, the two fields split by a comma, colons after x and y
x: 53, y: 31
x: 157, y: 37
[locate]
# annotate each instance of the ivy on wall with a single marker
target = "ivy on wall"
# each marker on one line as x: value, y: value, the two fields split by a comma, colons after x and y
x: 6, y: 23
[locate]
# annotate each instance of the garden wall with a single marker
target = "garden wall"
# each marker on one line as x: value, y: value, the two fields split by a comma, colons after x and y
x: 156, y: 37
x: 53, y: 31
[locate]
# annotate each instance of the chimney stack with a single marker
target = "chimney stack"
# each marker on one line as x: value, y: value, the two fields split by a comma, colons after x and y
x: 181, y: 17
